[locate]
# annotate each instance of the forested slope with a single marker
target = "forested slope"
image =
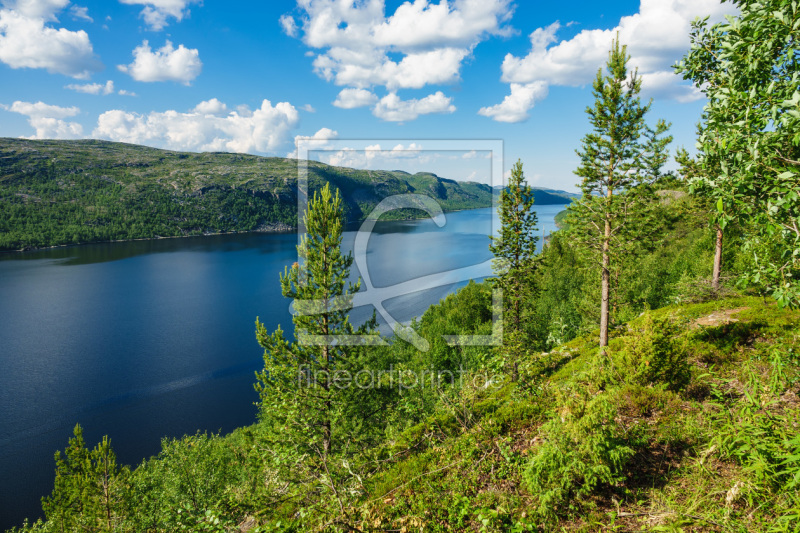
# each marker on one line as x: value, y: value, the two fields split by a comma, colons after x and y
x: 70, y: 192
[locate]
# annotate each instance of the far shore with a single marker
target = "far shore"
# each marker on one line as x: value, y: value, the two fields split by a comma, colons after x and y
x: 273, y: 228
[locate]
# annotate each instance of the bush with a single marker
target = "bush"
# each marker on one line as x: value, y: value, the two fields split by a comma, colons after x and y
x: 584, y: 447
x: 651, y: 355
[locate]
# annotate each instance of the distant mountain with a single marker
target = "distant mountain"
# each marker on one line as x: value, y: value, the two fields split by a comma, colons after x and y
x: 544, y: 196
x: 70, y: 192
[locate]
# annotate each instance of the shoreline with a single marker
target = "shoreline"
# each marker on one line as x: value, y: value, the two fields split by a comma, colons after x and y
x: 277, y: 228
x: 283, y: 229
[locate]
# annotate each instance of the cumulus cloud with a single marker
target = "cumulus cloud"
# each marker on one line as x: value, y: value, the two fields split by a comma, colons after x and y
x: 211, y: 107
x: 26, y: 41
x: 165, y: 64
x: 391, y: 108
x: 93, y: 88
x: 261, y: 130
x: 156, y: 13
x: 48, y: 120
x: 515, y: 106
x: 414, y: 71
x: 657, y: 36
x: 318, y: 141
x: 41, y: 9
x: 356, y: 45
x: 352, y: 98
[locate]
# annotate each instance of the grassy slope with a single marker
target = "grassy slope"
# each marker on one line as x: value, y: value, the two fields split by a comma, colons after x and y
x: 67, y: 192
x: 706, y: 456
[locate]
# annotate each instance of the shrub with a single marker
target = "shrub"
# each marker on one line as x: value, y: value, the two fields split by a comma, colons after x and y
x: 584, y: 447
x: 651, y: 355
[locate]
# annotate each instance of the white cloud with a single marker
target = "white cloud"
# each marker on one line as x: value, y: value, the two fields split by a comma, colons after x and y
x: 262, y: 130
x: 414, y: 71
x: 399, y: 151
x: 392, y: 108
x: 323, y: 134
x: 41, y: 9
x: 165, y: 64
x: 289, y: 26
x: 93, y: 88
x: 352, y: 98
x: 80, y: 13
x: 662, y: 84
x: 515, y: 106
x: 27, y: 42
x: 374, y: 157
x: 422, y: 43
x: 123, y: 92
x: 318, y: 141
x: 347, y: 157
x: 657, y: 36
x: 309, y: 108
x: 211, y: 107
x: 157, y: 12
x: 48, y: 121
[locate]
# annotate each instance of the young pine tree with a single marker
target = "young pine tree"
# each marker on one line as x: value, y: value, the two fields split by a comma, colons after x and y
x: 307, y: 397
x: 89, y: 492
x: 515, y: 263
x: 619, y: 159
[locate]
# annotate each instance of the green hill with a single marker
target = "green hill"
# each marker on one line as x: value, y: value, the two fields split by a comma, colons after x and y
x: 690, y: 421
x: 544, y: 196
x: 70, y: 192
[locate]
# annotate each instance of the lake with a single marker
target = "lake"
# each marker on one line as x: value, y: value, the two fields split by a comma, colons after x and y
x: 149, y: 339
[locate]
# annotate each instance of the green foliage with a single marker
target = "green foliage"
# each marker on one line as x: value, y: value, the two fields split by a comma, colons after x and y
x: 749, y: 143
x: 650, y: 354
x: 620, y: 158
x: 73, y: 192
x: 300, y: 388
x: 515, y: 262
x: 317, y: 413
x: 584, y: 446
x: 183, y: 484
x: 761, y: 435
x: 90, y: 490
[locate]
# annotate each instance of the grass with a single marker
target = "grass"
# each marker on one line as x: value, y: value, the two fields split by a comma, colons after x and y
x: 715, y: 449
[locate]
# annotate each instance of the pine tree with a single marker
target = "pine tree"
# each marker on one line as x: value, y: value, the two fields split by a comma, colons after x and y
x: 307, y: 396
x: 89, y: 492
x: 515, y: 261
x: 619, y: 159
x: 63, y: 507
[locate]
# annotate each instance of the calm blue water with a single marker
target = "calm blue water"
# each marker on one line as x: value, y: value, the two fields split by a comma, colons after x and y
x: 148, y: 339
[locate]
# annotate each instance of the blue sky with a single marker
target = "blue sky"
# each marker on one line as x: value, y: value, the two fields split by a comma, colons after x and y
x: 251, y: 77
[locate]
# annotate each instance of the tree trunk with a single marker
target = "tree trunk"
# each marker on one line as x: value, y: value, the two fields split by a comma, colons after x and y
x: 326, y: 423
x: 517, y: 329
x: 606, y: 282
x: 717, y: 260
